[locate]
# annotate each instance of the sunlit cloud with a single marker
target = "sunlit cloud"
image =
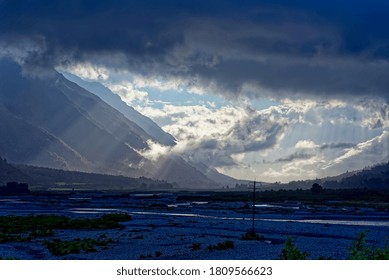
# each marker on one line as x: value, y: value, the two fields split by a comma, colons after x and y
x: 128, y: 92
x: 88, y: 71
x: 241, y: 141
x: 306, y: 144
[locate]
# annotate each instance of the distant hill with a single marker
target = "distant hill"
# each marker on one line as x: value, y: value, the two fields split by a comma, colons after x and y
x: 375, y: 177
x: 42, y: 178
x: 9, y: 173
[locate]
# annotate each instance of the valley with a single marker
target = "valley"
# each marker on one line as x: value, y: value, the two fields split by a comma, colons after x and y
x: 171, y: 225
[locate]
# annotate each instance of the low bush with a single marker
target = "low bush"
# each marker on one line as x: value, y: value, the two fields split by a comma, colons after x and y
x: 291, y: 252
x: 359, y: 250
x: 221, y: 246
x: 43, y: 225
x: 252, y: 235
x: 158, y: 254
x: 196, y: 246
x: 75, y: 246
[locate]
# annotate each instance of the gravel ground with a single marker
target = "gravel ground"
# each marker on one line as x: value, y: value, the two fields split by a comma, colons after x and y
x: 169, y: 232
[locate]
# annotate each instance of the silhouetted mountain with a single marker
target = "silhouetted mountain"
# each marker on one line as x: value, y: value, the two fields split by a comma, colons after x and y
x: 49, y: 178
x: 376, y: 177
x: 48, y: 121
x: 53, y: 122
x: 167, y: 168
x: 157, y: 134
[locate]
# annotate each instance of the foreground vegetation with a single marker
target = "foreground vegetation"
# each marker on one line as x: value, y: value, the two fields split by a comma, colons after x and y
x: 21, y: 224
x: 75, y: 246
x: 225, y: 245
x: 291, y: 252
x: 27, y: 228
x: 359, y: 250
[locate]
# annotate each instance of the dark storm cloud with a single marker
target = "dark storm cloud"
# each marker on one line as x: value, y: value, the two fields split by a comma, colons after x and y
x: 73, y: 29
x: 331, y: 48
x: 340, y: 145
x: 254, y: 134
x: 295, y: 156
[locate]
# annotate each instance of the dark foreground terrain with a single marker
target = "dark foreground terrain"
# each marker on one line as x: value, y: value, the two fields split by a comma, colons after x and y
x: 90, y: 225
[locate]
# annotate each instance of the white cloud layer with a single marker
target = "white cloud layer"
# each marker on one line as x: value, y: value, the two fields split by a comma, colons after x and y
x: 294, y: 139
x: 290, y: 141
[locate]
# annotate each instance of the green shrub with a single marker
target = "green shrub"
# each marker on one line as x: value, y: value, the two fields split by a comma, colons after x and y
x: 252, y: 235
x: 196, y: 246
x: 158, y: 254
x: 42, y: 224
x: 221, y: 246
x: 360, y: 251
x: 291, y: 252
x: 75, y: 246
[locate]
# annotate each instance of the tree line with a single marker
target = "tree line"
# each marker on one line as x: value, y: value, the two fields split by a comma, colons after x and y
x: 12, y: 188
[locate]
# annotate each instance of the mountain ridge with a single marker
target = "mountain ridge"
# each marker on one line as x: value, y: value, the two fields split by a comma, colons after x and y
x: 373, y: 177
x: 51, y: 122
x: 54, y: 108
x: 112, y: 99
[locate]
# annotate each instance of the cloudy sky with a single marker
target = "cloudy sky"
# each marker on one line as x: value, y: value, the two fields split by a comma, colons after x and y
x: 272, y: 90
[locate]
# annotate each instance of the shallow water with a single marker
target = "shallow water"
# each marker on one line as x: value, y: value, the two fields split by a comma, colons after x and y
x: 157, y: 226
x: 202, y: 216
x: 201, y: 210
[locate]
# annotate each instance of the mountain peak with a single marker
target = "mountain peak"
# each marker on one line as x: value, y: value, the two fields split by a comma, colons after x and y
x: 53, y: 122
x: 112, y: 99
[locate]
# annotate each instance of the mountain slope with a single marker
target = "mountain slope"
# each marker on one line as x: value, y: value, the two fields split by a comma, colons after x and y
x: 214, y: 175
x: 175, y: 169
x: 209, y: 177
x: 49, y: 121
x: 167, y: 167
x: 69, y: 127
x: 129, y: 112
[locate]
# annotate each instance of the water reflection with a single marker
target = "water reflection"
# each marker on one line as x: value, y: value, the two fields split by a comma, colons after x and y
x: 202, y: 216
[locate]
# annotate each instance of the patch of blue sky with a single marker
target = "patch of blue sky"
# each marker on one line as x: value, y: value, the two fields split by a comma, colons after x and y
x: 183, y: 98
x: 263, y: 103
